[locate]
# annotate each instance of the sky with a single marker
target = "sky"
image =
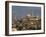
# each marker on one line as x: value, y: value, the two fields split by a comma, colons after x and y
x: 21, y: 11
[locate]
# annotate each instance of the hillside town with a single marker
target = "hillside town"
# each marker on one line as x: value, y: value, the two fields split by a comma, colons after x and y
x: 27, y: 22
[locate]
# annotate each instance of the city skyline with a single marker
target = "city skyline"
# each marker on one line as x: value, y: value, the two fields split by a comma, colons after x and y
x: 21, y: 11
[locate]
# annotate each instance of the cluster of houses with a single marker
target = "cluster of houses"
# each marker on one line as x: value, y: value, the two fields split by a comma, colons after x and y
x: 27, y: 23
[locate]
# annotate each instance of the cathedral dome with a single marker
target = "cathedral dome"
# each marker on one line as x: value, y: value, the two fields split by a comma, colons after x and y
x: 28, y: 15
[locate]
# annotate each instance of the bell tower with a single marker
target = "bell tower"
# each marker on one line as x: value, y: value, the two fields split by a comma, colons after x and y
x: 30, y: 12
